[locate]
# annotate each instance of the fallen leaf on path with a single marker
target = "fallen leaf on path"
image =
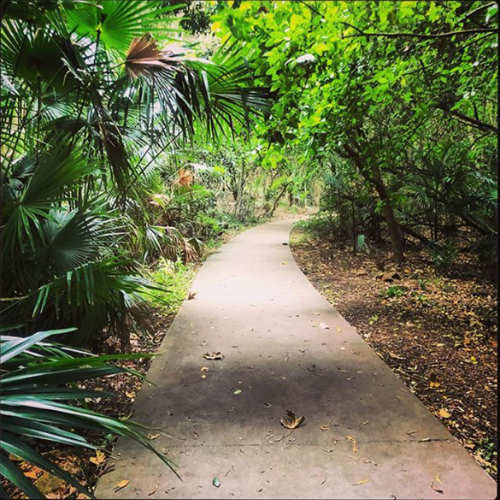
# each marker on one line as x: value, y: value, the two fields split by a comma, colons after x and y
x: 121, y: 484
x: 444, y: 414
x: 213, y: 355
x: 326, y: 427
x: 294, y: 421
x: 354, y: 444
x: 205, y: 368
x: 284, y: 263
x: 203, y: 376
x: 216, y: 482
x: 154, y: 436
x: 237, y: 391
x: 363, y: 481
x: 99, y: 458
x: 267, y: 405
x: 152, y: 492
x: 192, y: 295
x: 324, y: 326
x: 424, y: 440
x: 435, y: 488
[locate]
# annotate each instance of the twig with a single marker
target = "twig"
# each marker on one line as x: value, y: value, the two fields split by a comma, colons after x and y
x: 285, y: 436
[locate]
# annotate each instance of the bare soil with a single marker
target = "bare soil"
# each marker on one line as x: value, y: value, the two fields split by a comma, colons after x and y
x: 438, y: 332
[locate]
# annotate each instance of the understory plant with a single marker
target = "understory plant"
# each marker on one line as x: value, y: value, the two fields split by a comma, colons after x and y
x: 42, y: 401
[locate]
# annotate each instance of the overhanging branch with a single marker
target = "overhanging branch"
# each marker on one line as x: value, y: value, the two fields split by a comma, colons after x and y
x: 422, y: 36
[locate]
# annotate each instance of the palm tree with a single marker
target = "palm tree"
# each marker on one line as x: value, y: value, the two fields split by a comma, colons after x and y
x: 90, y: 99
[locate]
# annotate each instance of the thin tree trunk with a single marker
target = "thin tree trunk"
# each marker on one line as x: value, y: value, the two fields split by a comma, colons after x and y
x: 353, y: 228
x: 276, y: 201
x: 374, y: 177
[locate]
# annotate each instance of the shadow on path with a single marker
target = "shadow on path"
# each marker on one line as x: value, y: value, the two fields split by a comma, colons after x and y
x: 285, y: 347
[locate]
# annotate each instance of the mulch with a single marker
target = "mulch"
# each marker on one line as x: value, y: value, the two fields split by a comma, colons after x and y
x: 438, y: 332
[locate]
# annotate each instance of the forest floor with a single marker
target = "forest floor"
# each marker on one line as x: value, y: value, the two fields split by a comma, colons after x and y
x: 438, y: 332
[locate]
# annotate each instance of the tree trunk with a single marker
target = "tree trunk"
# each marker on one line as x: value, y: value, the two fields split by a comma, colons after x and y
x: 374, y: 177
x: 276, y: 201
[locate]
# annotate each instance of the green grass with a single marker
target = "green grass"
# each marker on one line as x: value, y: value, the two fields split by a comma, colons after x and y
x: 176, y: 277
x: 393, y: 291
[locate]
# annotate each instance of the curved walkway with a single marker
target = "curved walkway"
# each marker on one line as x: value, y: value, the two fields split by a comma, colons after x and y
x: 365, y: 434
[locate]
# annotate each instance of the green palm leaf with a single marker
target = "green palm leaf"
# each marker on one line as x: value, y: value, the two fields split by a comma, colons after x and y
x: 29, y: 406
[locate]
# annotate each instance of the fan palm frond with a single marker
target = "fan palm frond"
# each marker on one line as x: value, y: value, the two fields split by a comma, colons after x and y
x: 36, y: 405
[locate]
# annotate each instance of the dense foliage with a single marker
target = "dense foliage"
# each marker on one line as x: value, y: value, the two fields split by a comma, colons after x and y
x: 396, y: 101
x: 33, y: 405
x: 90, y: 103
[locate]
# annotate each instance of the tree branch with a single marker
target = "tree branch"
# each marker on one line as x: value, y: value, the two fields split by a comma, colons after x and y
x: 311, y: 8
x: 421, y: 35
x: 471, y: 121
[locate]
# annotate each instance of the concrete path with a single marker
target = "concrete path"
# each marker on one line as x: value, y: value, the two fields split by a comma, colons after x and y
x: 256, y: 307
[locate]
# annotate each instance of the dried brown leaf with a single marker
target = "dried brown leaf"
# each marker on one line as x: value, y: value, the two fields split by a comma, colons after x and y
x: 33, y: 473
x: 184, y: 178
x: 99, y: 458
x: 354, y: 444
x: 434, y: 487
x: 121, y: 484
x: 326, y: 426
x: 294, y: 421
x: 363, y: 481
